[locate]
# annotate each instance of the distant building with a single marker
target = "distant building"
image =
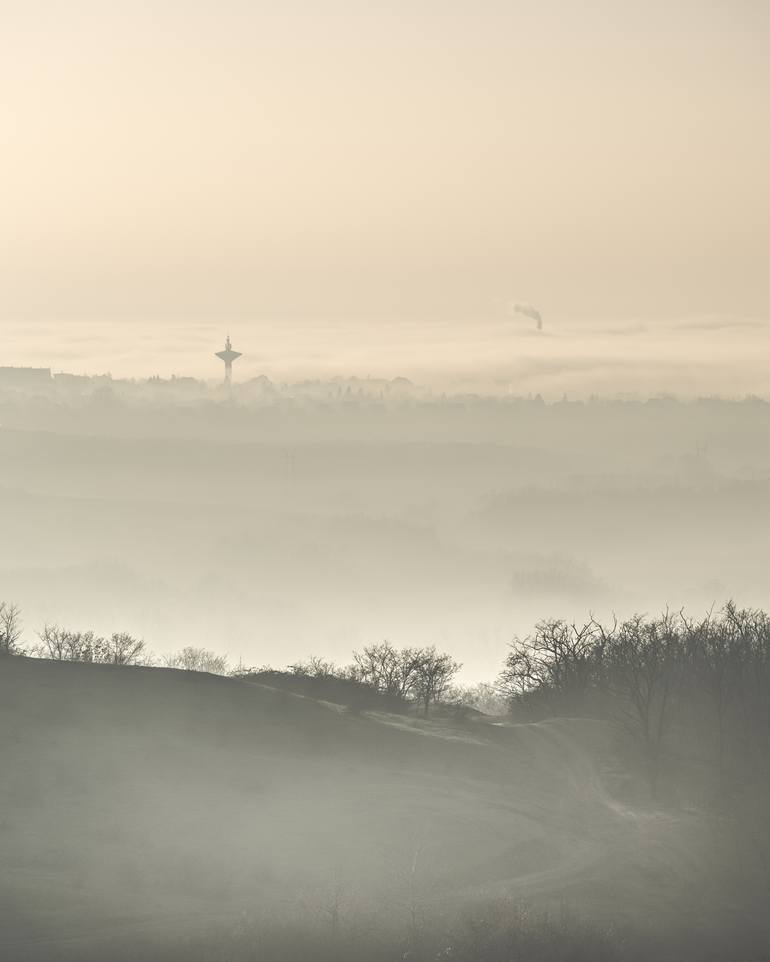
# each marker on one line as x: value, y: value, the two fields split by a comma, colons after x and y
x: 26, y: 378
x: 80, y: 385
x: 228, y: 356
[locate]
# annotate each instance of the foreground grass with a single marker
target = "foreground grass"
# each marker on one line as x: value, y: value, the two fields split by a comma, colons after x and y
x: 502, y: 931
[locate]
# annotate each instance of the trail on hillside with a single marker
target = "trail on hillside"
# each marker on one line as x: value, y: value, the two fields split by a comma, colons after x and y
x: 160, y: 802
x: 581, y: 842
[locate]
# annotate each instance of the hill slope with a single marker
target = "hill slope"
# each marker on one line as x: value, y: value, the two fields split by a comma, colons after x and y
x: 153, y: 800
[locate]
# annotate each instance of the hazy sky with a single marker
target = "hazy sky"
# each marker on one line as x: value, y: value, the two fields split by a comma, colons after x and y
x: 191, y: 157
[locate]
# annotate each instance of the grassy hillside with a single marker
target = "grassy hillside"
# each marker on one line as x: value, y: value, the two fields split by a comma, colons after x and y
x: 154, y: 803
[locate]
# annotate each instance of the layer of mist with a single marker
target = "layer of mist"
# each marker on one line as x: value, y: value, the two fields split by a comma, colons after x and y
x: 282, y: 520
x: 492, y: 351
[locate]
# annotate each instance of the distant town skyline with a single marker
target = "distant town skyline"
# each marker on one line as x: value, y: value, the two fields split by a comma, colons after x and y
x: 498, y: 354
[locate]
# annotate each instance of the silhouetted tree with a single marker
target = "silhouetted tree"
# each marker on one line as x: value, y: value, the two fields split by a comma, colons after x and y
x: 10, y: 629
x: 434, y: 676
x: 387, y: 669
x: 315, y: 667
x: 703, y: 682
x: 197, y: 659
x: 61, y: 644
x: 558, y: 664
x: 122, y: 649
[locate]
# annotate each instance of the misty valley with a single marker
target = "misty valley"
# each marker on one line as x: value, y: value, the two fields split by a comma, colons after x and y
x: 277, y: 526
x: 347, y: 670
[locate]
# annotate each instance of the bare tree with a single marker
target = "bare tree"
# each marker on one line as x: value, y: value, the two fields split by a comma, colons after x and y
x: 315, y: 667
x: 122, y: 649
x: 10, y: 629
x: 434, y: 676
x: 61, y: 644
x: 559, y: 662
x: 387, y: 669
x: 748, y: 631
x: 197, y: 659
x: 378, y: 666
x: 644, y: 670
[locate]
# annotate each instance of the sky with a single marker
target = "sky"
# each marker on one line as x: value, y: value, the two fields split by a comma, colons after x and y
x: 174, y: 161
